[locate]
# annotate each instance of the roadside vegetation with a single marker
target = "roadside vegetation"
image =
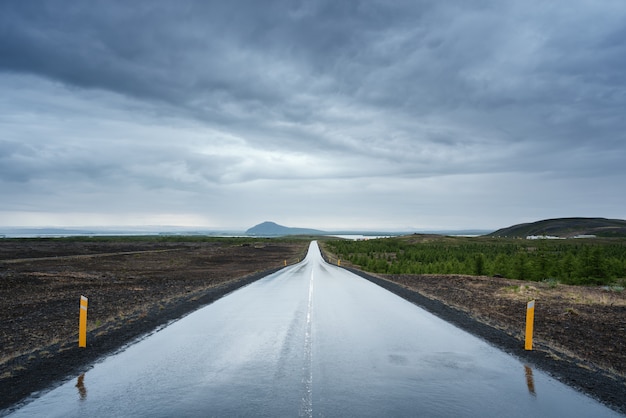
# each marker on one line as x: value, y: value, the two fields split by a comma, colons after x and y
x: 570, y: 261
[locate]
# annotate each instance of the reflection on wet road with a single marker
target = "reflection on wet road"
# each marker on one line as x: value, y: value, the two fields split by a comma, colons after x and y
x: 530, y: 380
x: 312, y: 340
x: 80, y: 384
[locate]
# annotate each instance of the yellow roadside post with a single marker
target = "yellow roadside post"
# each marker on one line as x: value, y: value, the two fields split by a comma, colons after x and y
x: 338, y: 261
x: 285, y: 263
x: 82, y: 323
x: 530, y: 319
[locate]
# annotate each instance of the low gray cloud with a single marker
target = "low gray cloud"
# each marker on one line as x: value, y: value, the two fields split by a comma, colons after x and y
x: 364, y: 103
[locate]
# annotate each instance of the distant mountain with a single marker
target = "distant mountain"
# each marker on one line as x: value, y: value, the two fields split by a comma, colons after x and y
x: 566, y: 228
x: 271, y: 229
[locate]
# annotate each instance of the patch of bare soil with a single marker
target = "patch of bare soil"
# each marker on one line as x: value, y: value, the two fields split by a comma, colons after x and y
x: 579, y: 332
x: 133, y: 288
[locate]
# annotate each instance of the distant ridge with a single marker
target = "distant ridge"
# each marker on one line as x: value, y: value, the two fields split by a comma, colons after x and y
x: 566, y: 228
x: 272, y: 229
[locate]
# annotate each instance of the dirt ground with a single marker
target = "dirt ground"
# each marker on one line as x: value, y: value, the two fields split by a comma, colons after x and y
x: 136, y: 287
x: 133, y: 287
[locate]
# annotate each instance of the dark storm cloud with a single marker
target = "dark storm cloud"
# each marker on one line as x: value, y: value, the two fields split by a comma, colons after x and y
x: 202, y: 55
x: 228, y: 62
x: 318, y: 90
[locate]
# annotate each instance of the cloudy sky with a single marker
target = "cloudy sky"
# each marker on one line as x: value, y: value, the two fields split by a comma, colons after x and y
x: 389, y: 114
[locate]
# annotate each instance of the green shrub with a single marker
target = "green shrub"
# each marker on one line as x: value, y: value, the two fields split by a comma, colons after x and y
x: 567, y: 261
